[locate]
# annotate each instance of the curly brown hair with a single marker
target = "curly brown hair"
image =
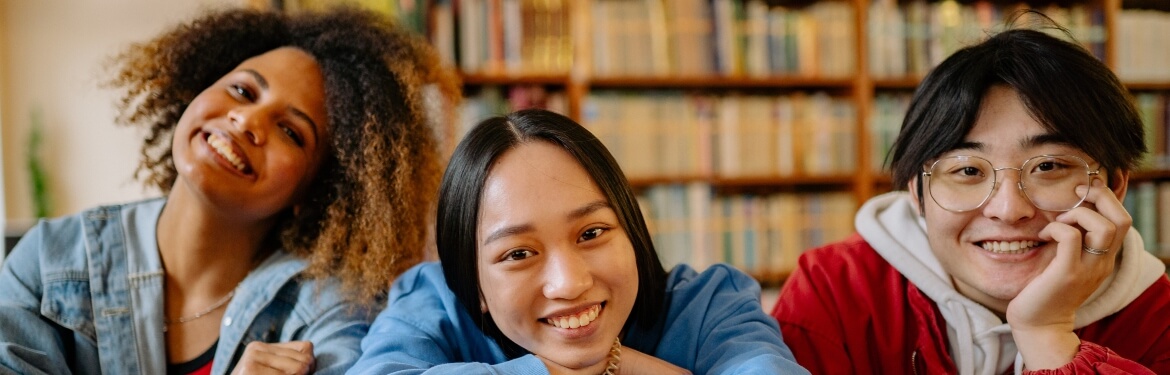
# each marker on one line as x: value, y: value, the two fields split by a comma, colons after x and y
x: 365, y: 218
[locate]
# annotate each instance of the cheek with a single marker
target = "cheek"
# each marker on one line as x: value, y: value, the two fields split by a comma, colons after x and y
x: 497, y: 294
x: 290, y: 165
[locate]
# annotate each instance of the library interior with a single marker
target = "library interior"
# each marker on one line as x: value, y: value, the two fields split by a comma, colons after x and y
x: 752, y: 129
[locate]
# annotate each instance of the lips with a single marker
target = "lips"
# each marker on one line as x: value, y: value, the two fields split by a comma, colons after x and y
x: 578, y: 320
x: 223, y: 147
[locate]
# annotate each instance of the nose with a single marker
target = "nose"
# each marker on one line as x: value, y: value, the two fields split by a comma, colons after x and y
x: 1008, y: 202
x: 248, y: 120
x: 567, y: 275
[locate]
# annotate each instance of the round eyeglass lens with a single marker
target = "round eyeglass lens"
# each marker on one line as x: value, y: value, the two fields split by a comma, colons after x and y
x: 1051, y: 181
x: 961, y: 183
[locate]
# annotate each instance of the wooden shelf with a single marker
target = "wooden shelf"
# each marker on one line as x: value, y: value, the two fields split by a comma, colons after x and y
x: 842, y: 181
x: 908, y: 83
x: 518, y: 79
x: 718, y: 82
x: 771, y: 279
x: 1149, y: 175
x: 1148, y: 86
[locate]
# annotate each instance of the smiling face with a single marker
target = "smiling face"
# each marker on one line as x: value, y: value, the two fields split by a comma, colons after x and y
x: 252, y: 142
x: 557, y: 271
x: 992, y: 252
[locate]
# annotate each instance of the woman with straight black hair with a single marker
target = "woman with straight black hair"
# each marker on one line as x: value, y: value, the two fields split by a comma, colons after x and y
x: 547, y: 267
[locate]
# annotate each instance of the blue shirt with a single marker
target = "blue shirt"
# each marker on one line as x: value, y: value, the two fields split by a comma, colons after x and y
x: 84, y: 294
x: 713, y: 324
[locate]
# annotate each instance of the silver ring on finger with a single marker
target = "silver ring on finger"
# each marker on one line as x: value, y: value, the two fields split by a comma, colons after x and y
x: 1094, y: 251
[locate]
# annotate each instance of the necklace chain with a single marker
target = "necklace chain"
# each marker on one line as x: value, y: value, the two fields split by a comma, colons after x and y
x: 615, y: 357
x: 208, y: 310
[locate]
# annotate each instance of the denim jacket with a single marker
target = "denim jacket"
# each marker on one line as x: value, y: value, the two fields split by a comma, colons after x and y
x: 84, y: 294
x: 712, y: 324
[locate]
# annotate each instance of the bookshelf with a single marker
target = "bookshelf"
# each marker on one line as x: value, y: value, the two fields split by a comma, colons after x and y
x: 697, y: 97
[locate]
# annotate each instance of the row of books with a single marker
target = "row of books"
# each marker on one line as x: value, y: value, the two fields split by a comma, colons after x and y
x: 1154, y: 108
x: 722, y: 37
x: 908, y: 38
x: 657, y: 134
x: 760, y: 234
x: 754, y: 38
x: 889, y: 108
x: 503, y: 36
x: 667, y: 134
x: 1148, y: 203
x: 1143, y: 45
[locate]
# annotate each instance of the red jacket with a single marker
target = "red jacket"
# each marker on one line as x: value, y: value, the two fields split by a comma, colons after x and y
x: 845, y: 310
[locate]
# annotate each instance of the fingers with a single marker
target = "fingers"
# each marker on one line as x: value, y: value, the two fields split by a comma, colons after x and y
x: 1104, y: 202
x: 1100, y: 223
x: 1102, y: 217
x: 293, y: 358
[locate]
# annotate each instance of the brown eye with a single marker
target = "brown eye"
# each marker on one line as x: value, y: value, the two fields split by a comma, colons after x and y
x: 518, y: 254
x: 292, y: 134
x: 240, y: 92
x: 591, y: 234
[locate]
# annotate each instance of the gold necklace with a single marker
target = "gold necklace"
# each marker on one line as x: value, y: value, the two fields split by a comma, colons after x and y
x: 615, y: 357
x: 208, y: 310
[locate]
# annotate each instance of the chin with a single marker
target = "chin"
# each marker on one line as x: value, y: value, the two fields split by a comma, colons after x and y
x: 574, y: 359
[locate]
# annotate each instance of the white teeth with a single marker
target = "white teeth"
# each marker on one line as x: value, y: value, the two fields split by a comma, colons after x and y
x: 224, y: 148
x: 1009, y: 247
x: 576, y: 321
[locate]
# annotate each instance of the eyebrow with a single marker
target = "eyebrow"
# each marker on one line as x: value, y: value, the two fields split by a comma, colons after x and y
x: 524, y: 228
x: 1030, y: 142
x: 295, y: 112
x: 259, y: 78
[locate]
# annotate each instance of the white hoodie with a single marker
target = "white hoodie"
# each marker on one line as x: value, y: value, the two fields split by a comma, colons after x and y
x: 980, y: 342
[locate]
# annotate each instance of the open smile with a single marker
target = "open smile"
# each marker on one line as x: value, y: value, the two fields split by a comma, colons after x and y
x: 1009, y: 247
x: 574, y: 321
x: 224, y: 148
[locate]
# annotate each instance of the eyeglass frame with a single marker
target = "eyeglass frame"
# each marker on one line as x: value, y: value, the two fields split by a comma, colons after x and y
x: 1019, y: 184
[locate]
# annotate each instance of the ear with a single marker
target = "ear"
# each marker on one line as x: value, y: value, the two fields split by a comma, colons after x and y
x: 483, y: 308
x: 916, y: 200
x: 1119, y: 183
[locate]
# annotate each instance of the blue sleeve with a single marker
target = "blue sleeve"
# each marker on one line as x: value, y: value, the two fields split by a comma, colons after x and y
x: 424, y: 331
x: 729, y: 331
x: 29, y: 344
x: 336, y: 335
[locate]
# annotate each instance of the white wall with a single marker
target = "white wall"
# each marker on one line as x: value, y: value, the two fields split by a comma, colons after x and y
x: 53, y: 56
x: 3, y: 41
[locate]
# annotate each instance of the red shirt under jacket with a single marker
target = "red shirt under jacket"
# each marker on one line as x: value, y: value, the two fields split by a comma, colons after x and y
x: 845, y: 310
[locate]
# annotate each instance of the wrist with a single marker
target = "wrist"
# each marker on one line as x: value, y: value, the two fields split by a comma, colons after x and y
x: 1046, y: 348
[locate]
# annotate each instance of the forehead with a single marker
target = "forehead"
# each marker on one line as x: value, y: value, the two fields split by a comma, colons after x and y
x: 535, y: 179
x: 1006, y: 126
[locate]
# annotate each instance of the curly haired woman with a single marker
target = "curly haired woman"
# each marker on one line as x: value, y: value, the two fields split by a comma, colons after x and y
x: 298, y: 166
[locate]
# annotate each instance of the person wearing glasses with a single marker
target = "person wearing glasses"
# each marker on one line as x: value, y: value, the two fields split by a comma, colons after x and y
x: 1010, y: 250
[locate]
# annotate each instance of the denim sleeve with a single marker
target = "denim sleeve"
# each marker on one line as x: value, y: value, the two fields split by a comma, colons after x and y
x: 737, y: 336
x: 336, y: 336
x: 424, y: 331
x: 29, y: 344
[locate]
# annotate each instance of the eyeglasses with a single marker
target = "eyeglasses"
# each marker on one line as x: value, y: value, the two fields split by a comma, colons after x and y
x: 965, y: 183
